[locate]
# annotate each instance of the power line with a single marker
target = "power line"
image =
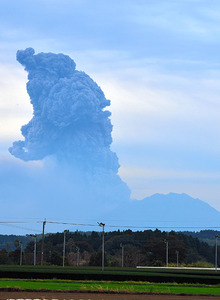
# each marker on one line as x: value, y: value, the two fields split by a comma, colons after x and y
x: 20, y: 227
x: 133, y: 226
x: 73, y: 224
x: 110, y: 226
x: 16, y: 222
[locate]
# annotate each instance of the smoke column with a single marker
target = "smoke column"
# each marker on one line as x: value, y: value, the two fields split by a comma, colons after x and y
x: 70, y: 124
x: 69, y: 120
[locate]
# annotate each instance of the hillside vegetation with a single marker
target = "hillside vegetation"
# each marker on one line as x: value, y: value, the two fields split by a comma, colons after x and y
x: 140, y: 248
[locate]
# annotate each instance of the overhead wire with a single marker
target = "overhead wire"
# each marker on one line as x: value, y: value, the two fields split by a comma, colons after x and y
x: 129, y: 226
x: 12, y: 223
x: 21, y: 227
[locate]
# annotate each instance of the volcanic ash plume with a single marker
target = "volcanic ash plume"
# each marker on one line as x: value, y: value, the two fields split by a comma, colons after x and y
x: 69, y: 121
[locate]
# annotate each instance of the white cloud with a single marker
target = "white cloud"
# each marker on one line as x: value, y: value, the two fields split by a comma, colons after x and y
x: 150, y: 173
x: 190, y: 19
x: 152, y: 106
x: 15, y: 107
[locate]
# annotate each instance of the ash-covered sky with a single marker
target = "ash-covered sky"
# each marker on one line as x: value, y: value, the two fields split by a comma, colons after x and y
x: 158, y: 63
x: 69, y: 137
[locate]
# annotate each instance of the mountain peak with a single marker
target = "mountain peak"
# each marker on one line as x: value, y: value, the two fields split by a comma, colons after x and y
x: 172, y: 209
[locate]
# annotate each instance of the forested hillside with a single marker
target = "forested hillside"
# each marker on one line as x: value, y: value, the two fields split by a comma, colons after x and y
x: 207, y: 236
x: 140, y: 248
x: 10, y: 241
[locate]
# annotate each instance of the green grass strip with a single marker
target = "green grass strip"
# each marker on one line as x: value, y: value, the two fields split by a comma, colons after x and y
x: 173, y: 288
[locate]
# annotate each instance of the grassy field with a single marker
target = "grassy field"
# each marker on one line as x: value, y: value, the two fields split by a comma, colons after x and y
x: 102, y: 286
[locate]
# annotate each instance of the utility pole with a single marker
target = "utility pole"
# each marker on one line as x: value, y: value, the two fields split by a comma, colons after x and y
x: 103, y: 243
x: 35, y: 247
x: 21, y: 244
x: 77, y: 261
x: 177, y: 258
x: 42, y: 244
x: 122, y: 255
x: 167, y: 249
x: 64, y: 245
x: 216, y: 252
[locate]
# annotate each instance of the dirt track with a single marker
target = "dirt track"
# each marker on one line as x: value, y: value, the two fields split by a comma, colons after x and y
x: 93, y: 296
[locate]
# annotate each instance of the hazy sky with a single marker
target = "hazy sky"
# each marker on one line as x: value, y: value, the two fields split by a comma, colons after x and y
x: 159, y: 64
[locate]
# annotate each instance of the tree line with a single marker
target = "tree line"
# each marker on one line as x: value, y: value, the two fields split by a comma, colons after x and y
x: 146, y: 247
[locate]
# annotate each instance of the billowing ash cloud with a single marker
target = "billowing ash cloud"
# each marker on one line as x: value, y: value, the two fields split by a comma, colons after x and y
x: 71, y: 128
x: 69, y: 117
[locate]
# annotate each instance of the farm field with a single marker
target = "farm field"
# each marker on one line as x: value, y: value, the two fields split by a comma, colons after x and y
x: 109, y: 286
x: 49, y: 282
x: 112, y: 274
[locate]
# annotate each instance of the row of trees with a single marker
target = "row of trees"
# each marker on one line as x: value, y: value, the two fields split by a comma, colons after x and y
x: 140, y: 248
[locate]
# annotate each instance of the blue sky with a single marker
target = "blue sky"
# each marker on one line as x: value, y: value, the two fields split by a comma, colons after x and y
x: 159, y: 64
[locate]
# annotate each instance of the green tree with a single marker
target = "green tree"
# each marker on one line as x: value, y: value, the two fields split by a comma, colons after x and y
x: 4, y: 258
x: 16, y: 243
x: 96, y: 259
x: 55, y: 258
x: 15, y: 256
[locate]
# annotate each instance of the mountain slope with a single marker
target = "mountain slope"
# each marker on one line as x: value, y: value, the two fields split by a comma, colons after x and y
x: 171, y: 210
